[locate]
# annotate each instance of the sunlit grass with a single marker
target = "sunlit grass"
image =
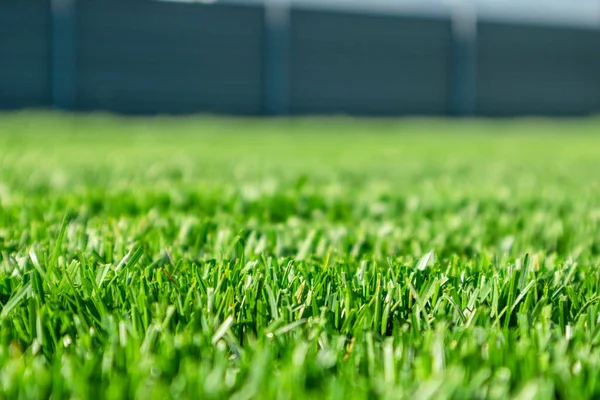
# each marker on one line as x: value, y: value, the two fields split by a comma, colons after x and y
x: 289, y: 259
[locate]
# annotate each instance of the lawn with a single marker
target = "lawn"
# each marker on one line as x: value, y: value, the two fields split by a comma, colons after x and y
x: 209, y: 258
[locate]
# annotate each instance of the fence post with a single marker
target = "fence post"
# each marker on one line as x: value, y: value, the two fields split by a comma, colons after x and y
x: 276, y: 57
x: 463, y: 77
x: 62, y: 50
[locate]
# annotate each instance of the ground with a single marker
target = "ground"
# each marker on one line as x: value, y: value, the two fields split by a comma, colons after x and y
x: 205, y: 257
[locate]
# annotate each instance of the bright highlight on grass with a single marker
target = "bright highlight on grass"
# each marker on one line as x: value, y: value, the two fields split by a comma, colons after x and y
x: 229, y: 258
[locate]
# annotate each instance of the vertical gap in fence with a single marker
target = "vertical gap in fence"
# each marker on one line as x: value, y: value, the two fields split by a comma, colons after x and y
x: 62, y: 52
x: 276, y: 57
x: 463, y: 70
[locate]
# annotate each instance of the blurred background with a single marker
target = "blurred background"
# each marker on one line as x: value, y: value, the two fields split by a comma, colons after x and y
x: 295, y: 57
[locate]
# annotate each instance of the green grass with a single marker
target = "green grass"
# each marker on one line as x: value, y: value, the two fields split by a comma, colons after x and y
x: 318, y: 258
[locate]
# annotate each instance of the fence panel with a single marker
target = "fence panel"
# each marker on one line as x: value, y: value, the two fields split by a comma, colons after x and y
x: 537, y: 70
x: 138, y: 56
x: 368, y: 64
x: 24, y: 54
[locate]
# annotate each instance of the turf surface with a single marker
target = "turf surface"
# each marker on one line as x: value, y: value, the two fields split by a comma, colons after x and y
x: 334, y: 258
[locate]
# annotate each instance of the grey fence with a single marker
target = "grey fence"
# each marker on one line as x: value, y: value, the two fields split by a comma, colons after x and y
x: 148, y: 57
